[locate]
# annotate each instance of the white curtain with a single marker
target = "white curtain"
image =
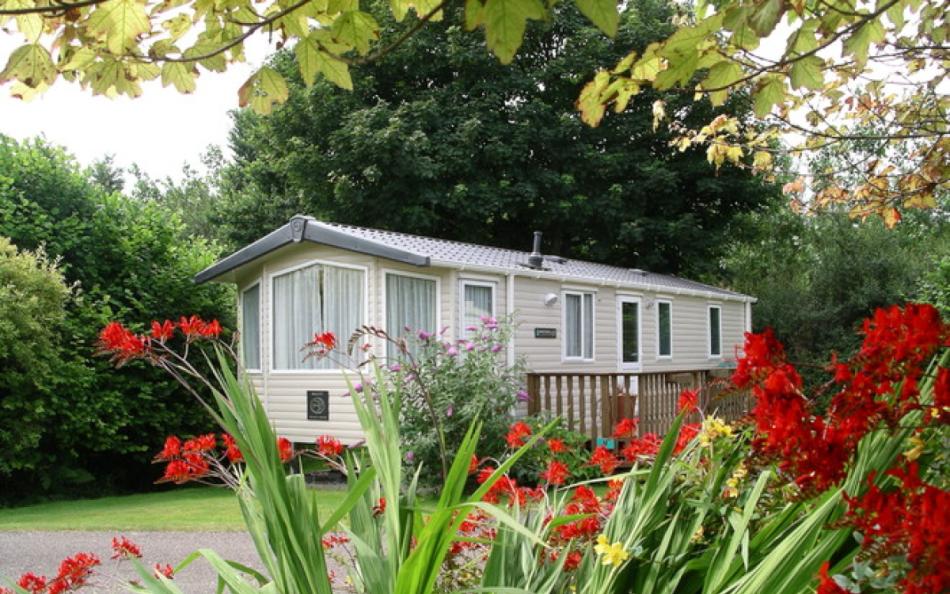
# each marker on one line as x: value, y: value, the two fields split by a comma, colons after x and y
x: 477, y: 303
x: 410, y: 302
x: 251, y: 327
x: 579, y: 325
x: 297, y: 317
x: 343, y: 302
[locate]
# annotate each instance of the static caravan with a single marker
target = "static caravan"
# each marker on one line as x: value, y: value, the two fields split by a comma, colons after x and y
x: 574, y: 319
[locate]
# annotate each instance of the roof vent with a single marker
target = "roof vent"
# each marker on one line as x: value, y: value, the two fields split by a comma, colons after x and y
x: 639, y: 271
x: 536, y: 260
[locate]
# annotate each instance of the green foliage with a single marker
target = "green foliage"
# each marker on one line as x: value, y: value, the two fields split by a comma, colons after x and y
x: 576, y: 457
x: 474, y: 151
x: 129, y: 259
x: 817, y: 277
x: 444, y: 387
x: 33, y: 296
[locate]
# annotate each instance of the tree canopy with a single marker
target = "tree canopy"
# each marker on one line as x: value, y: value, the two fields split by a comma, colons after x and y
x: 441, y: 140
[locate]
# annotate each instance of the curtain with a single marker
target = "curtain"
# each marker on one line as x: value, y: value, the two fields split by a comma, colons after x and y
x: 572, y: 325
x: 477, y: 303
x: 343, y: 302
x: 410, y: 303
x: 588, y: 326
x: 251, y: 327
x: 630, y: 313
x: 297, y: 317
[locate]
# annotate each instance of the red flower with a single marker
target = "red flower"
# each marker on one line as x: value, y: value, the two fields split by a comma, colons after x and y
x: 232, y: 451
x: 688, y: 401
x: 334, y: 539
x: 556, y: 446
x: 164, y: 570
x: 171, y: 450
x: 329, y: 446
x: 572, y: 561
x: 201, y: 443
x: 285, y: 449
x: 74, y: 572
x: 125, y: 549
x: 473, y: 464
x: 380, y: 507
x: 942, y: 393
x: 605, y: 459
x: 484, y: 474
x: 212, y: 329
x: 626, y: 428
x: 646, y: 446
x: 686, y: 435
x: 325, y: 340
x: 31, y: 583
x: 517, y: 434
x: 163, y: 331
x: 826, y: 585
x: 556, y: 473
x: 121, y: 342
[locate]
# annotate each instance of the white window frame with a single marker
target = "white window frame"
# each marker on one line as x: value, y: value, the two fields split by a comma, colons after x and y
x: 464, y: 282
x: 658, y: 355
x: 709, y: 353
x: 340, y: 341
x: 438, y: 296
x: 621, y: 364
x: 260, y: 325
x: 593, y: 326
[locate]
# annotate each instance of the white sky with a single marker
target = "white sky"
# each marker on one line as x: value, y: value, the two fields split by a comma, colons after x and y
x: 160, y: 130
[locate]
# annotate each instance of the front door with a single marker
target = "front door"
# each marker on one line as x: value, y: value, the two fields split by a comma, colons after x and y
x: 628, y: 341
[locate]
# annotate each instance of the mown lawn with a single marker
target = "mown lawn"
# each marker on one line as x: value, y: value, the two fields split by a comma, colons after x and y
x: 187, y: 508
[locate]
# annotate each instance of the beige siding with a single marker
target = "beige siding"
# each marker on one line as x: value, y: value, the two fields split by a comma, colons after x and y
x: 690, y: 317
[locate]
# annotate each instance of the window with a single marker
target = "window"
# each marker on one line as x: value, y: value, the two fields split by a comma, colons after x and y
x: 411, y: 303
x: 578, y: 325
x: 664, y: 329
x: 313, y: 299
x: 478, y: 300
x: 630, y: 331
x: 251, y: 327
x: 715, y: 331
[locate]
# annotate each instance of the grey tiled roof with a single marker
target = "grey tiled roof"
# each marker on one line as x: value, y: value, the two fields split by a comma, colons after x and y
x: 443, y: 251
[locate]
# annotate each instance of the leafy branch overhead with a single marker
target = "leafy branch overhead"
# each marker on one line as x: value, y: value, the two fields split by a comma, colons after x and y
x: 823, y: 73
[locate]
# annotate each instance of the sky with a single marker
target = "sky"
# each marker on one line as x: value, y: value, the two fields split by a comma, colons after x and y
x: 160, y: 130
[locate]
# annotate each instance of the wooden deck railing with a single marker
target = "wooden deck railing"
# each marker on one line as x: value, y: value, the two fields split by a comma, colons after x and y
x: 592, y: 403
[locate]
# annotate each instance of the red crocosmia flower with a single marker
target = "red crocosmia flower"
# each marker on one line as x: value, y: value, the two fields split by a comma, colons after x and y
x: 171, y: 450
x: 826, y: 584
x: 686, y: 435
x: 334, y: 539
x: 626, y: 428
x: 123, y: 548
x: 326, y: 340
x: 556, y: 473
x: 517, y: 434
x: 201, y: 443
x: 74, y: 572
x: 121, y: 343
x: 231, y: 450
x: 31, y: 582
x: 163, y: 331
x: 329, y: 446
x: 176, y: 472
x: 473, y: 464
x: 212, y: 329
x: 285, y: 449
x: 191, y: 327
x: 164, y: 570
x: 484, y: 474
x: 572, y: 561
x: 646, y: 446
x: 556, y: 446
x: 942, y: 393
x: 688, y: 401
x: 586, y: 499
x: 380, y: 507
x: 197, y: 465
x: 605, y: 459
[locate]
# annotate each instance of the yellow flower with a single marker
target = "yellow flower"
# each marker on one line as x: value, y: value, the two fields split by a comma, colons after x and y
x: 698, y: 535
x: 732, y: 483
x: 918, y: 449
x: 613, y: 554
x: 712, y: 428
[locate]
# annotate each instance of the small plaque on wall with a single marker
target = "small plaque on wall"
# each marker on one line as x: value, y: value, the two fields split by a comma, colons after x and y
x: 318, y: 405
x: 545, y: 332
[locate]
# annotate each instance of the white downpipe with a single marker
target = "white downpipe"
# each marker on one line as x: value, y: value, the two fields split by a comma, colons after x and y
x: 509, y: 312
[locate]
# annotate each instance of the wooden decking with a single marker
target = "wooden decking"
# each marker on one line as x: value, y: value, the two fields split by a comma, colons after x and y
x: 592, y: 403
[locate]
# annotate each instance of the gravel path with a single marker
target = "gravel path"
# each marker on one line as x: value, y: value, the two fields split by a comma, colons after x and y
x: 41, y: 552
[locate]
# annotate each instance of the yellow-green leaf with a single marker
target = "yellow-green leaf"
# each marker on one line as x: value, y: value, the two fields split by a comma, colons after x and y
x: 807, y: 73
x: 181, y: 75
x: 263, y: 90
x: 859, y: 41
x: 30, y: 25
x: 591, y: 102
x: 119, y: 23
x: 313, y: 60
x: 31, y: 65
x: 680, y: 70
x: 722, y: 75
x: 770, y: 92
x: 603, y: 13
x: 765, y: 16
x: 474, y: 14
x: 505, y: 22
x: 357, y: 29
